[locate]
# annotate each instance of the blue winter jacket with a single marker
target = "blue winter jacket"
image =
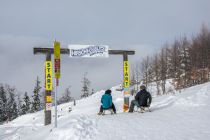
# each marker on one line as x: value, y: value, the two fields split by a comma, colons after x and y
x: 106, y: 101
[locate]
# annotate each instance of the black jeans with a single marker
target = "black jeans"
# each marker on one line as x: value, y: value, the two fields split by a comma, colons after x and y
x: 112, y: 107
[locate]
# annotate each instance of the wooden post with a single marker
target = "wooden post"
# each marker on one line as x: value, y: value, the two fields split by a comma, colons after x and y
x: 47, y: 112
x: 126, y: 86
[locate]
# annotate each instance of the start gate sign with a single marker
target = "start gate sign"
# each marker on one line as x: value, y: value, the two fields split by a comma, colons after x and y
x: 78, y: 51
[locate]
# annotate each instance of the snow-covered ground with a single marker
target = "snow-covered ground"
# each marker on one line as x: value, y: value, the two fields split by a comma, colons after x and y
x: 180, y: 116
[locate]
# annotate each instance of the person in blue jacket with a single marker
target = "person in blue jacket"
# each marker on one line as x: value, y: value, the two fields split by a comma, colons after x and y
x: 106, y: 101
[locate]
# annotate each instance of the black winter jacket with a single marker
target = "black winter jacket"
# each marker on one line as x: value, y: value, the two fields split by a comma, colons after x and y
x: 144, y: 98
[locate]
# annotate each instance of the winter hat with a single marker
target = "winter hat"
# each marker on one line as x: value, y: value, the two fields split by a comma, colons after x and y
x: 142, y: 87
x: 108, y: 91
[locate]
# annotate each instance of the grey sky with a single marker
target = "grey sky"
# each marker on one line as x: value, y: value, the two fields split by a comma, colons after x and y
x: 142, y: 25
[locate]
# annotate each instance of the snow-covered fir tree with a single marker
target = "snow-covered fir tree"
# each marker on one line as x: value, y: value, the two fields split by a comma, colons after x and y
x: 3, y: 104
x: 92, y: 92
x: 36, y: 103
x: 19, y: 105
x: 12, y: 111
x: 66, y: 97
x: 26, y: 104
x: 85, y: 86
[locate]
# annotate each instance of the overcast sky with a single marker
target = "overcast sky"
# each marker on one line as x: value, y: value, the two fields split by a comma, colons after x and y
x: 140, y: 25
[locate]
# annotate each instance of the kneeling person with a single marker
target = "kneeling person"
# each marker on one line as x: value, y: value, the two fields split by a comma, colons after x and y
x: 107, y: 103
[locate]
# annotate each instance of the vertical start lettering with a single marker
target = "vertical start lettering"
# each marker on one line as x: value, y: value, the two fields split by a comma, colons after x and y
x: 48, y: 75
x: 126, y: 75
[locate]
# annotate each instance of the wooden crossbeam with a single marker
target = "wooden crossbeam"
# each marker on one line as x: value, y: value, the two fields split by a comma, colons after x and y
x: 49, y: 50
x: 66, y: 51
x: 121, y: 52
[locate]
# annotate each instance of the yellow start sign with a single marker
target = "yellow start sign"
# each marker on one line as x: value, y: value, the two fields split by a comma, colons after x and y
x: 126, y: 75
x: 48, y: 75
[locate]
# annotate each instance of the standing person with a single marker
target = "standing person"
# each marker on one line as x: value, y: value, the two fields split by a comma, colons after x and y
x: 107, y: 103
x: 142, y: 99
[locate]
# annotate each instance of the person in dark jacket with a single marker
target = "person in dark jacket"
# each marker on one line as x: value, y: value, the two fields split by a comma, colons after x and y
x: 142, y: 99
x: 106, y: 101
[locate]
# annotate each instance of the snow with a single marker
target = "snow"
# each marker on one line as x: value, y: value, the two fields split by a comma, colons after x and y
x: 181, y: 116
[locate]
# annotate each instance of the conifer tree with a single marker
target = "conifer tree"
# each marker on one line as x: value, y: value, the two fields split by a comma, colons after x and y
x: 11, y: 107
x: 26, y: 104
x: 92, y: 92
x: 19, y: 105
x: 66, y: 97
x: 85, y: 86
x: 3, y: 104
x: 36, y: 103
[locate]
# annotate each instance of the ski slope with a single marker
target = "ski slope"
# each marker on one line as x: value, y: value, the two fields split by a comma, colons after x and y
x: 180, y: 116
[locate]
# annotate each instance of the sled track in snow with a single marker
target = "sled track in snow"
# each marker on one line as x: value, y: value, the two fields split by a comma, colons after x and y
x: 78, y: 127
x: 163, y: 104
x: 7, y: 133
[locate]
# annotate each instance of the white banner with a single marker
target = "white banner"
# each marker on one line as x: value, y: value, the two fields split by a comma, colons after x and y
x: 89, y: 51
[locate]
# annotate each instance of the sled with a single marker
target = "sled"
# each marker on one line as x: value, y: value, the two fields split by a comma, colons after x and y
x: 105, y: 110
x: 143, y: 109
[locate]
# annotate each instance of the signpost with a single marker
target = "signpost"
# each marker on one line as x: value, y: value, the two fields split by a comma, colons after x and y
x: 126, y: 85
x: 48, y: 88
x: 57, y: 73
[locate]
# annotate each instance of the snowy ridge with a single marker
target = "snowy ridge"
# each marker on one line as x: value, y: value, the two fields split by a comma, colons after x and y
x: 176, y: 116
